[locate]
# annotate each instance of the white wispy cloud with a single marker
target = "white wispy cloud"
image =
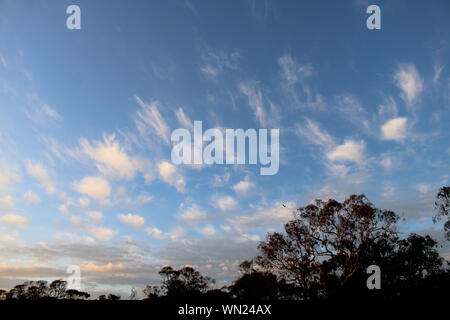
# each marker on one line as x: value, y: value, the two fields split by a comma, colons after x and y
x: 409, y: 82
x: 338, y: 169
x: 62, y: 208
x: 388, y: 191
x: 3, y: 61
x: 155, y: 233
x: 133, y: 220
x: 388, y: 109
x: 311, y: 131
x: 260, y: 10
x: 106, y: 268
x: 246, y: 237
x: 135, y: 202
x: 31, y: 198
x: 352, y: 151
x: 8, y: 238
x: 221, y: 180
x: 292, y: 72
x: 8, y: 176
x: 14, y: 221
x: 176, y: 233
x: 208, y: 231
x: 209, y: 70
x: 294, y: 83
x: 191, y: 7
x: 255, y: 101
x: 111, y: 159
x: 94, y: 216
x: 94, y: 187
x: 61, y: 151
x: 244, y: 186
x: 6, y: 203
x: 264, y: 216
x: 193, y: 214
x: 103, y: 234
x: 40, y: 112
x: 83, y: 203
x: 149, y: 117
x: 225, y: 203
x: 183, y: 119
x: 351, y: 109
x: 437, y: 73
x: 387, y: 162
x: 170, y: 175
x: 39, y: 172
x: 90, y: 219
x: 216, y: 63
x: 395, y: 129
x: 338, y: 157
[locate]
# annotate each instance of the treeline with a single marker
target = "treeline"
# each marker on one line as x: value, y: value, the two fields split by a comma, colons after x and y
x: 38, y: 290
x: 323, y: 253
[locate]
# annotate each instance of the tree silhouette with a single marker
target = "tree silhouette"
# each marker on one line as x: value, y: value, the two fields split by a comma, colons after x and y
x: 58, y: 289
x: 38, y: 290
x: 442, y: 204
x: 73, y: 294
x: 257, y: 284
x: 327, y: 247
x: 113, y: 297
x: 176, y: 284
x: 17, y: 293
x: 152, y: 292
x: 184, y: 281
x: 326, y: 242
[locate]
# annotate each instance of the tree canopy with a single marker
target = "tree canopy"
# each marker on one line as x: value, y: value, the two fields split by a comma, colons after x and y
x: 37, y: 290
x: 325, y: 250
x: 442, y: 205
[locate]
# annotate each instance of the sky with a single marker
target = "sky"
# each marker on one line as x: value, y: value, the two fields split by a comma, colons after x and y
x: 86, y: 116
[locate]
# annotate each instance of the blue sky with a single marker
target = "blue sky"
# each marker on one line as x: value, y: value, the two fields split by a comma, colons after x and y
x: 86, y: 115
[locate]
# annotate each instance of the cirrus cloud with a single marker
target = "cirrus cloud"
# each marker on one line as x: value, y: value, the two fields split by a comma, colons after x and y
x: 39, y: 172
x: 112, y: 160
x: 149, y: 117
x: 409, y: 81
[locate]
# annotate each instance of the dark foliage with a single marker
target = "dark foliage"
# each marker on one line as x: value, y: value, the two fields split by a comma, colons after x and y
x: 38, y: 290
x: 325, y: 251
x: 185, y: 282
x: 442, y: 205
x: 257, y: 284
